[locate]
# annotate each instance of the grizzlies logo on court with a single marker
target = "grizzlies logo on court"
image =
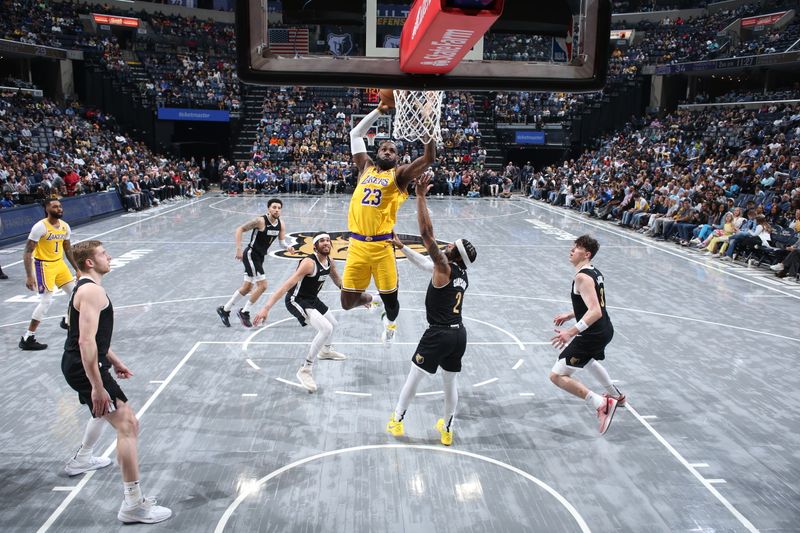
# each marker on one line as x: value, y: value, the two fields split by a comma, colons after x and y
x: 302, y: 242
x: 419, y: 359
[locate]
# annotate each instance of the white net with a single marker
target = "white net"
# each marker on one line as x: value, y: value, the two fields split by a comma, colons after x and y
x: 417, y: 115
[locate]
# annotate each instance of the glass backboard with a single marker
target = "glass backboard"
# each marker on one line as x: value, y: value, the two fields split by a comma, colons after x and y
x: 558, y: 45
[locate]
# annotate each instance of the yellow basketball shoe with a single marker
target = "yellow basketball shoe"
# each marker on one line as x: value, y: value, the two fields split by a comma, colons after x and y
x: 447, y: 436
x: 394, y: 426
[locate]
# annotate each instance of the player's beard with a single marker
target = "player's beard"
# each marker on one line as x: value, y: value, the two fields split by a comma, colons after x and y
x: 384, y: 164
x: 54, y: 214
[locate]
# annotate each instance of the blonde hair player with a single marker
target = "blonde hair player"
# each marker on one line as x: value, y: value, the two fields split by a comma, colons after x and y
x: 86, y: 365
x: 48, y: 243
x: 381, y: 189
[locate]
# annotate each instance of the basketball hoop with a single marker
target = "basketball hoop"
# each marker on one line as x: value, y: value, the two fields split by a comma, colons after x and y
x: 417, y: 115
x: 371, y: 138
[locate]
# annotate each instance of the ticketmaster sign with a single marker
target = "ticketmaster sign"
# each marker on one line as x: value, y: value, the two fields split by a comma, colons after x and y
x: 197, y: 115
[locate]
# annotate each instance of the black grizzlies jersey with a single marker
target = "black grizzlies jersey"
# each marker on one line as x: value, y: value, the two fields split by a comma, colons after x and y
x: 309, y: 286
x: 603, y: 325
x: 260, y: 241
x: 443, y: 305
x: 105, y: 328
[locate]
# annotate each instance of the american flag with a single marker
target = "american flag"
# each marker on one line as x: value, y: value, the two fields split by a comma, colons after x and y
x: 288, y: 40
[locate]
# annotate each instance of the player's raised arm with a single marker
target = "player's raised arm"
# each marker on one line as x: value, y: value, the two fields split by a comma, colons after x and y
x: 357, y: 134
x: 413, y: 256
x: 408, y: 173
x: 441, y: 266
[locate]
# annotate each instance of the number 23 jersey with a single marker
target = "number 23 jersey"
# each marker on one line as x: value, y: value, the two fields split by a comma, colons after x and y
x: 375, y: 201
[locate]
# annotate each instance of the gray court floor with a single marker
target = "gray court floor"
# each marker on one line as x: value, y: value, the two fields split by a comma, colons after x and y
x: 707, y: 354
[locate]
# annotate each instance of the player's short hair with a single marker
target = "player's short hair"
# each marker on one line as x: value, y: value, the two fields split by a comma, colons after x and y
x: 48, y: 201
x: 589, y: 244
x: 83, y: 251
x: 274, y: 201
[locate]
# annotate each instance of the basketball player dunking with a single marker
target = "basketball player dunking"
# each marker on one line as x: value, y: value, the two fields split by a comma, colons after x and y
x: 592, y: 333
x: 381, y: 189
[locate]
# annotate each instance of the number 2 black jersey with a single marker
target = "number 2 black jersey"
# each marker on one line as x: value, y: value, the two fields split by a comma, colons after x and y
x: 443, y: 305
x: 603, y: 326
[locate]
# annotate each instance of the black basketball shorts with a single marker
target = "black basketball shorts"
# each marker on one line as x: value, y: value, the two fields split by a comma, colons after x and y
x: 297, y: 307
x: 583, y: 349
x: 77, y: 379
x: 253, y: 265
x: 441, y: 346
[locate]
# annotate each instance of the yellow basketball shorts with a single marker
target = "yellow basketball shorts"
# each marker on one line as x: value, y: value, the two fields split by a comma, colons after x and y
x: 51, y: 274
x: 367, y: 260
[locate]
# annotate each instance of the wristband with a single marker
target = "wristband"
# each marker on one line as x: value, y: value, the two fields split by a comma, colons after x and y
x: 582, y: 326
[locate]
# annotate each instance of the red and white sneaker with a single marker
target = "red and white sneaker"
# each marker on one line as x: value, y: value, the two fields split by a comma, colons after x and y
x: 605, y: 413
x: 620, y: 398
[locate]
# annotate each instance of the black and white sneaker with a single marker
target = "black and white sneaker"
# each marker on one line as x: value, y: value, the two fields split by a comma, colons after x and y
x: 224, y: 315
x: 244, y: 316
x: 31, y: 344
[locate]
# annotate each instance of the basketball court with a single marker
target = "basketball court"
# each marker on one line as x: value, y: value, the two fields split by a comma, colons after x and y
x: 705, y: 353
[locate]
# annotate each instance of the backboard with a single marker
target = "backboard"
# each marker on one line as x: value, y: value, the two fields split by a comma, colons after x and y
x: 561, y: 45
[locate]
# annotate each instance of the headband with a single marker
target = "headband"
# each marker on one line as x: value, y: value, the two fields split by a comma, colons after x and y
x: 320, y: 237
x: 463, y: 252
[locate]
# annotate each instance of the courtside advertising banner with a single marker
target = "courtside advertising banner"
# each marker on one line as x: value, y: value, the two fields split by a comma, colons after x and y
x: 197, y: 115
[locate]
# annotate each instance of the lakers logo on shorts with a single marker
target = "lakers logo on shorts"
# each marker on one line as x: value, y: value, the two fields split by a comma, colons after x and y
x: 419, y: 359
x: 340, y: 243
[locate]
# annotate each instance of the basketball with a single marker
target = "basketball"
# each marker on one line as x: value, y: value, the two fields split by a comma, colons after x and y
x: 387, y: 97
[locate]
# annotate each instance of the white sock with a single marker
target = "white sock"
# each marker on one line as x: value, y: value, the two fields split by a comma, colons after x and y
x: 326, y: 348
x: 450, y: 397
x: 91, y: 435
x: 594, y: 400
x: 233, y: 301
x: 28, y: 333
x: 132, y: 492
x: 248, y: 304
x: 415, y: 377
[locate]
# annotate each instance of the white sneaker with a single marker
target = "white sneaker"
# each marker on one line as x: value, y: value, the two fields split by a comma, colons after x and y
x: 695, y: 241
x: 376, y: 303
x: 389, y: 330
x: 332, y: 354
x: 777, y: 267
x: 725, y: 258
x: 146, y: 512
x: 306, y: 379
x: 75, y: 466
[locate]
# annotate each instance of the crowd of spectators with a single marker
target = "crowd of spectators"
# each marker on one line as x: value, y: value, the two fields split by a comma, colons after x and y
x: 676, y: 179
x: 52, y: 149
x: 744, y: 96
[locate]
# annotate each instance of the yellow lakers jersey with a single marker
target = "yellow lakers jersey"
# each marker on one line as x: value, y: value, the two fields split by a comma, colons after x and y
x: 50, y: 246
x: 374, y: 205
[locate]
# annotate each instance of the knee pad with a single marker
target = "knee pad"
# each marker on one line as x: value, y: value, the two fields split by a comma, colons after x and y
x: 44, y: 304
x: 68, y: 288
x: 391, y: 304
